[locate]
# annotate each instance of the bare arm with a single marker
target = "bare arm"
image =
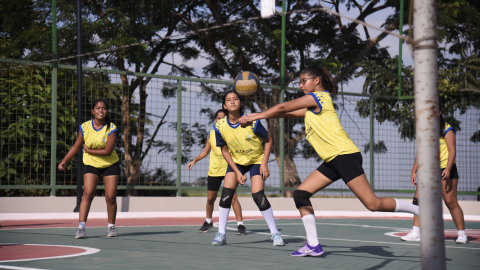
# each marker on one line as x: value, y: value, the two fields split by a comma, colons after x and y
x: 107, y: 151
x: 200, y: 156
x: 414, y: 172
x: 452, y: 152
x: 226, y: 155
x: 72, y: 152
x: 264, y: 171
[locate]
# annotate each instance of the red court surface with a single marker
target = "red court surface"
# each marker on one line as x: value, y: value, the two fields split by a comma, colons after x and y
x: 14, y: 252
x: 451, y: 235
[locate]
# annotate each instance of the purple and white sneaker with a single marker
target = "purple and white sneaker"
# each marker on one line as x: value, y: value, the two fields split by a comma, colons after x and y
x: 308, y: 250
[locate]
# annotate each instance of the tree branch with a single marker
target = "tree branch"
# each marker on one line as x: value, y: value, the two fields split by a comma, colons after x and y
x: 154, y: 134
x: 469, y: 90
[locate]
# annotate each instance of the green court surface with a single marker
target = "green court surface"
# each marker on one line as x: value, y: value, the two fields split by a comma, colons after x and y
x: 348, y: 244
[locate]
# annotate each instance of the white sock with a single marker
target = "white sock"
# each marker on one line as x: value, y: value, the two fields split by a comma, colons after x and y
x: 406, y: 207
x: 310, y: 229
x: 209, y: 220
x: 222, y: 219
x: 268, y: 216
x: 239, y: 222
x: 416, y: 229
x: 81, y: 224
x: 111, y: 225
x: 461, y: 232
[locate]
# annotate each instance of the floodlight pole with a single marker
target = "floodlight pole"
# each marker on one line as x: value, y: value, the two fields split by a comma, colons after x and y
x: 79, y: 104
x: 427, y: 130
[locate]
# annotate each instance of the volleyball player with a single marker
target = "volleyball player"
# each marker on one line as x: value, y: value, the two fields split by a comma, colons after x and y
x: 242, y: 149
x: 216, y: 173
x: 449, y: 181
x: 97, y: 138
x: 342, y: 158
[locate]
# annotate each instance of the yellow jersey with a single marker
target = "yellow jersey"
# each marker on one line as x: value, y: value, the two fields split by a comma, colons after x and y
x: 443, y: 146
x: 218, y: 164
x: 96, y: 139
x: 244, y: 144
x: 324, y: 131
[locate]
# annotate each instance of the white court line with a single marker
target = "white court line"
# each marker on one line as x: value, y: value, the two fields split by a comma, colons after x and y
x: 88, y: 251
x: 96, y: 227
x: 215, y: 224
x: 20, y: 268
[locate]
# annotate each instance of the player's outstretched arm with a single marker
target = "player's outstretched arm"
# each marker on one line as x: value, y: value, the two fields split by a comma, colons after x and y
x: 200, y: 156
x: 72, y: 152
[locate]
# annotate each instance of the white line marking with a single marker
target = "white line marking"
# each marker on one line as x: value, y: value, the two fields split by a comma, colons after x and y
x: 88, y: 251
x: 20, y: 268
x: 95, y: 227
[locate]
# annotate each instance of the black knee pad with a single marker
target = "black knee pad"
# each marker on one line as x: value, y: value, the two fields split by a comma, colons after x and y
x: 227, y: 196
x: 302, y: 198
x: 261, y: 200
x: 415, y: 201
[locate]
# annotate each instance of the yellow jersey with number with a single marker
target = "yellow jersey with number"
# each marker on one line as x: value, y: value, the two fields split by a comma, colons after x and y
x: 324, y: 131
x: 244, y: 144
x: 218, y: 164
x: 96, y: 139
x: 443, y: 146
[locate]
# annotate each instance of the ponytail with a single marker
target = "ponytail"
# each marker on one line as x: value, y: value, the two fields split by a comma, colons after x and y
x: 326, y: 78
x: 442, y: 124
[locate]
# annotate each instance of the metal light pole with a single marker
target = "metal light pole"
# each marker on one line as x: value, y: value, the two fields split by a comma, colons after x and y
x: 281, y: 100
x: 427, y: 130
x: 79, y: 103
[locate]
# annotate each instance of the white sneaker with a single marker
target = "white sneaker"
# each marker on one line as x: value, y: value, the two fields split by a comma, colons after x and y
x: 411, y: 236
x: 462, y: 239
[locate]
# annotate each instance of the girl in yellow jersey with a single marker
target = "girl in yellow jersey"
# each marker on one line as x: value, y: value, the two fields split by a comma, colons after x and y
x: 449, y: 184
x: 216, y: 174
x: 342, y: 159
x: 97, y: 138
x: 242, y: 149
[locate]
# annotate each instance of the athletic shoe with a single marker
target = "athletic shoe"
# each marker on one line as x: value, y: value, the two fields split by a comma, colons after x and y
x: 112, y: 231
x: 277, y: 239
x: 241, y: 230
x: 411, y: 236
x: 80, y: 233
x: 220, y: 239
x: 308, y: 250
x: 206, y: 227
x: 462, y: 239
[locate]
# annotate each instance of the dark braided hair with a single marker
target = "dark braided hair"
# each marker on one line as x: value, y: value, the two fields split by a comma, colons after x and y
x: 325, y: 77
x: 239, y: 97
x: 442, y: 120
x: 107, y: 119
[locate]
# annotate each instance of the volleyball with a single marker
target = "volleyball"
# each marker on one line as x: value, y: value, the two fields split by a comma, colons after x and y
x: 246, y: 83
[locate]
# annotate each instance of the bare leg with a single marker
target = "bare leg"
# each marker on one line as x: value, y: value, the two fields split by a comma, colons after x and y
x: 111, y: 196
x: 416, y: 219
x: 449, y: 188
x: 212, y: 196
x: 237, y: 208
x: 313, y: 183
x: 363, y: 191
x: 90, y: 182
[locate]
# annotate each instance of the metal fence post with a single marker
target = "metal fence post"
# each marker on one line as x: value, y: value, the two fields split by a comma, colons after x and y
x: 53, y: 139
x: 427, y: 129
x: 79, y: 104
x: 400, y: 43
x: 281, y: 100
x: 372, y: 143
x: 179, y: 138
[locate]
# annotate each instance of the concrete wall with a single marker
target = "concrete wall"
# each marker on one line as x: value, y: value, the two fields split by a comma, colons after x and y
x: 168, y: 204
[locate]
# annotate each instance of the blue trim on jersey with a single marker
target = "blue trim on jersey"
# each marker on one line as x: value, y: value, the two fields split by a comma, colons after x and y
x: 219, y: 139
x: 81, y: 130
x: 318, y: 103
x: 255, y: 127
x: 260, y: 130
x: 234, y: 127
x: 450, y: 128
x: 112, y: 132
x: 99, y: 128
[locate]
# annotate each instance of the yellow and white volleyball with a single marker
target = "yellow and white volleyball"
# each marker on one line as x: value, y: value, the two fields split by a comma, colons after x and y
x: 246, y: 83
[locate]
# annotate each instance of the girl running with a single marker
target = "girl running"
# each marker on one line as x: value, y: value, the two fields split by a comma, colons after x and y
x: 243, y: 151
x: 216, y: 174
x: 342, y: 158
x: 449, y: 184
x: 97, y: 138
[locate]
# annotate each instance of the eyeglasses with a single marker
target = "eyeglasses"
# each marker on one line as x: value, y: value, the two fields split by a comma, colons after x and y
x: 304, y: 80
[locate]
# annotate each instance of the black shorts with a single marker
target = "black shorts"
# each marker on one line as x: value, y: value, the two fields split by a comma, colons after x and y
x: 453, y: 172
x: 254, y: 169
x: 112, y: 170
x: 347, y: 167
x: 214, y: 182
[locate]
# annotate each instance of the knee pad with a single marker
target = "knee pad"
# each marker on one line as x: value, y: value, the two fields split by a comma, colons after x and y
x: 415, y: 201
x: 227, y: 196
x: 261, y: 200
x: 302, y: 198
